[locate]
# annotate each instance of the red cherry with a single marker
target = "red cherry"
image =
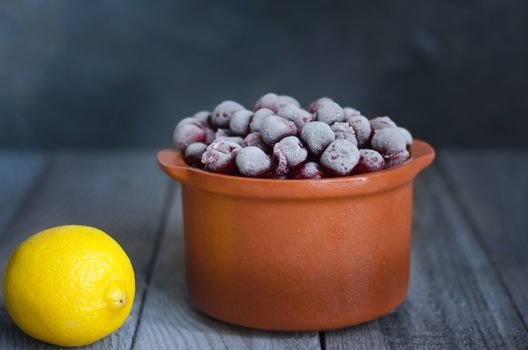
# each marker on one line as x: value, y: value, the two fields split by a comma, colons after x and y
x: 340, y: 157
x: 253, y: 162
x: 275, y: 128
x: 310, y: 170
x: 220, y: 156
x: 369, y: 161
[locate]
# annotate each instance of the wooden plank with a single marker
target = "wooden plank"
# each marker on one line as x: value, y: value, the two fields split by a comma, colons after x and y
x: 169, y: 321
x: 18, y: 173
x: 455, y: 301
x: 121, y: 193
x: 493, y: 189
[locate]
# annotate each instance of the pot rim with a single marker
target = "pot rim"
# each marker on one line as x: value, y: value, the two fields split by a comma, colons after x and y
x: 172, y: 163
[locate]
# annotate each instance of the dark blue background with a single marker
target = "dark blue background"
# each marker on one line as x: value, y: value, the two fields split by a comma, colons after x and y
x: 120, y: 74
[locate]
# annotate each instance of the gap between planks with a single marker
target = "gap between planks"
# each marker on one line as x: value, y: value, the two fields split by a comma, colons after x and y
x: 167, y: 204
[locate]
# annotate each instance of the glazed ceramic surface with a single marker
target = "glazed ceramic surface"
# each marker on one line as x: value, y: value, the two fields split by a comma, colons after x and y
x: 297, y: 254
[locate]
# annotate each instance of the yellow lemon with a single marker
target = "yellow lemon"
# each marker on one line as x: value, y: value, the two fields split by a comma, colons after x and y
x: 69, y: 285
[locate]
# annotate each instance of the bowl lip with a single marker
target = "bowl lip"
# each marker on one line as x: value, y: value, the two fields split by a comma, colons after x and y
x: 421, y: 155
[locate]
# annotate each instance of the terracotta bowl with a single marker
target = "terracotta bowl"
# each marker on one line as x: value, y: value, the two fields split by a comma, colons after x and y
x: 297, y: 255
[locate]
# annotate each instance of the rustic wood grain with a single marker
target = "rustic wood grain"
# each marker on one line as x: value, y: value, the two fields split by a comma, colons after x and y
x: 121, y: 193
x: 493, y: 189
x: 456, y: 300
x: 19, y: 171
x: 169, y: 321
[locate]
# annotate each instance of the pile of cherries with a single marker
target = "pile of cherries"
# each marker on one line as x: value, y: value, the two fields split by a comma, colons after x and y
x: 280, y: 140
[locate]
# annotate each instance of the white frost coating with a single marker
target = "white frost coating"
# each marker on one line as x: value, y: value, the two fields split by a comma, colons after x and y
x: 388, y: 141
x: 188, y: 131
x: 284, y: 99
x: 295, y: 114
x: 195, y: 149
x: 223, y: 113
x: 254, y: 139
x: 396, y: 159
x: 274, y: 102
x: 311, y: 170
x: 258, y: 118
x: 202, y: 117
x: 340, y: 157
x: 235, y: 139
x: 220, y: 155
x: 288, y: 153
x: 343, y: 131
x: 329, y: 112
x: 239, y: 123
x: 406, y: 135
x: 194, y: 152
x: 369, y: 160
x: 349, y: 112
x: 381, y: 123
x: 361, y: 126
x: 253, y: 162
x: 317, y: 135
x: 275, y: 128
x: 312, y: 107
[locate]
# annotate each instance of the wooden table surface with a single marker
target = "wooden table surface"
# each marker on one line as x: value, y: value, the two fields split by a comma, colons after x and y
x: 469, y: 270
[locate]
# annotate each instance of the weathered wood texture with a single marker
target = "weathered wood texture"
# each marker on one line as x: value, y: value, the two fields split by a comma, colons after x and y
x: 169, y: 321
x: 18, y: 173
x: 123, y: 194
x: 455, y: 299
x: 493, y: 190
x: 468, y: 270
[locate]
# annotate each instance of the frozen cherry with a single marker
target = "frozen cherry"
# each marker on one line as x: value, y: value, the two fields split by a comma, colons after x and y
x: 369, y: 160
x: 220, y: 156
x: 193, y: 154
x: 396, y: 159
x: 340, y: 157
x: 288, y: 154
x: 266, y: 101
x: 273, y: 101
x: 254, y: 139
x: 210, y: 135
x: 381, y: 123
x: 310, y: 170
x: 235, y: 139
x: 253, y: 162
x: 188, y: 120
x: 406, y: 135
x: 317, y: 135
x: 295, y: 114
x: 329, y: 112
x: 239, y: 123
x: 349, y: 112
x: 343, y: 131
x: 275, y: 128
x: 258, y: 117
x: 361, y: 126
x: 312, y: 107
x: 288, y: 99
x: 388, y: 142
x: 223, y: 133
x: 188, y: 131
x: 203, y: 117
x: 223, y: 113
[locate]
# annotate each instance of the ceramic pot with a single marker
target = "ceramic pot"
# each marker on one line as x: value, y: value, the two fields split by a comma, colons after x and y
x: 297, y: 255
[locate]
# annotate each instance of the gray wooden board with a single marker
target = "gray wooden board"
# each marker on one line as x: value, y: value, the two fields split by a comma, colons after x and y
x: 18, y: 173
x: 493, y: 189
x: 121, y: 193
x: 169, y: 321
x: 456, y: 299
